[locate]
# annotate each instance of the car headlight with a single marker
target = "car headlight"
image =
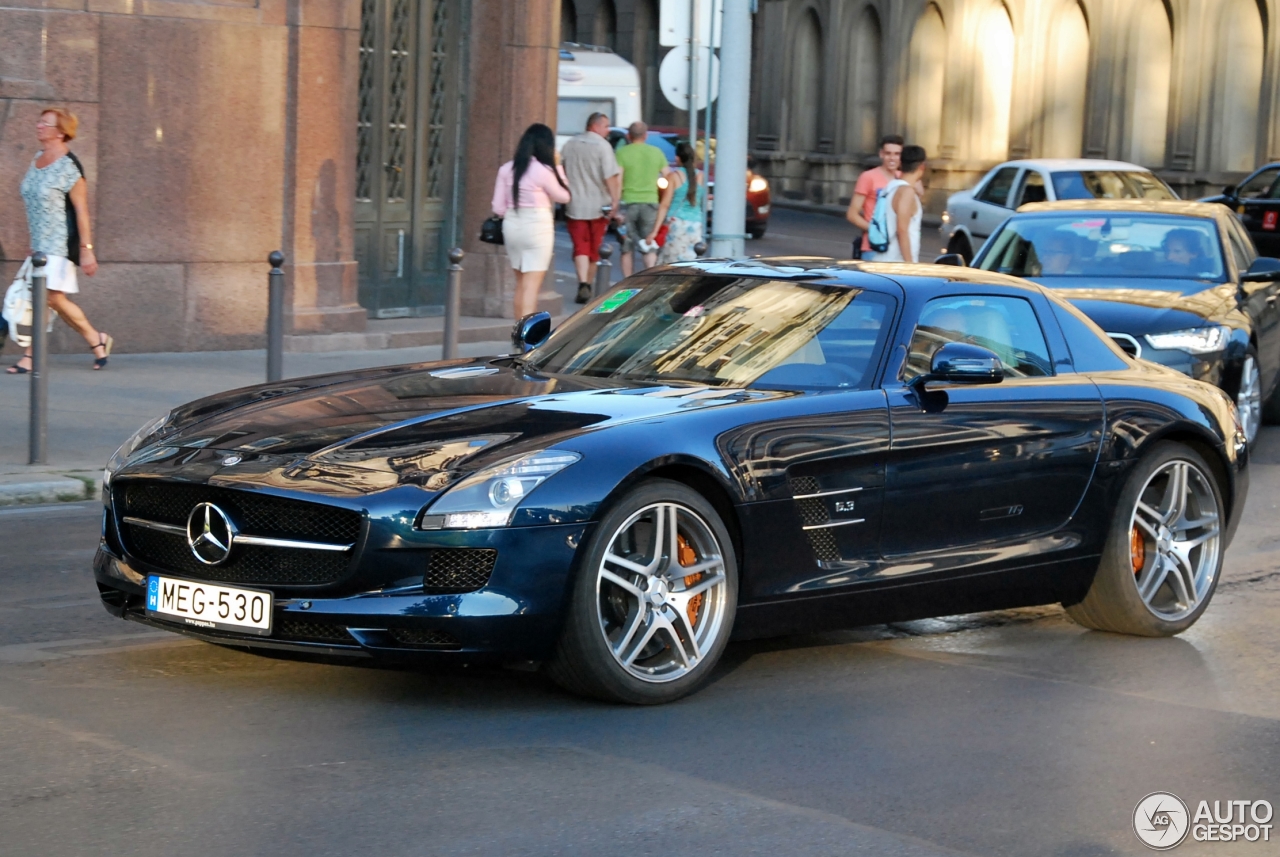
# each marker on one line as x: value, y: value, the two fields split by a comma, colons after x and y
x: 489, y: 498
x: 130, y: 446
x: 946, y: 217
x: 758, y: 184
x: 1197, y: 340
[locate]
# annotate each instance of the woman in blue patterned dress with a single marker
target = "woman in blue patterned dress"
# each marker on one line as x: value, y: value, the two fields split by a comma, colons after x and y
x: 681, y: 210
x: 52, y: 183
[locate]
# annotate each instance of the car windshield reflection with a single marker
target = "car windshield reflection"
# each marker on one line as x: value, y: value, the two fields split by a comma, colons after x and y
x: 724, y: 332
x: 1101, y: 246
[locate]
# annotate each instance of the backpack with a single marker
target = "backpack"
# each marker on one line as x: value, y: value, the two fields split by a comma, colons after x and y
x: 878, y: 236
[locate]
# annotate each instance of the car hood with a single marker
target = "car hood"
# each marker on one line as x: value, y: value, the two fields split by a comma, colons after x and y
x: 423, y: 424
x: 1117, y: 307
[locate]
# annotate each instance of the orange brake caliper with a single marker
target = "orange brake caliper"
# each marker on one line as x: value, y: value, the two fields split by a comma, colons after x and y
x: 687, y: 557
x: 1137, y: 551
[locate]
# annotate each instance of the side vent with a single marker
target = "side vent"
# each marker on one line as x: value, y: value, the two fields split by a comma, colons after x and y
x: 813, y: 511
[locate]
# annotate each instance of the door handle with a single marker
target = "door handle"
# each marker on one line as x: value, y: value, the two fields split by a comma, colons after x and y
x: 973, y: 215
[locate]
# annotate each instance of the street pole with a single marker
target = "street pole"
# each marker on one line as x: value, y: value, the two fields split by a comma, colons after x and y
x: 693, y: 78
x: 729, y: 217
x: 708, y: 159
x: 275, y: 318
x: 39, y: 446
x: 453, y: 304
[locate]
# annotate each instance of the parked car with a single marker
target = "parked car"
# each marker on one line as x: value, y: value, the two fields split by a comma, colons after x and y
x: 759, y: 196
x: 1178, y: 283
x: 1257, y: 202
x: 972, y: 215
x: 727, y: 449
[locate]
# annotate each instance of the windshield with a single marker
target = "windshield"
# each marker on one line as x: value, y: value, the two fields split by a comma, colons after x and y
x: 1109, y: 184
x: 725, y: 332
x: 1130, y: 246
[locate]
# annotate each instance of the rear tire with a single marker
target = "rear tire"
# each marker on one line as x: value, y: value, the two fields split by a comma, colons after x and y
x: 1163, y: 557
x: 756, y: 232
x: 653, y: 602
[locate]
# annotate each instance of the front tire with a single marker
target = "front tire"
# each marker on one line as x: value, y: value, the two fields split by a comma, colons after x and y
x: 1163, y: 558
x: 653, y: 602
x: 1249, y: 403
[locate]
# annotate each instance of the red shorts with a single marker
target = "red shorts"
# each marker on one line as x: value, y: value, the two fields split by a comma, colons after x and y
x: 587, y: 236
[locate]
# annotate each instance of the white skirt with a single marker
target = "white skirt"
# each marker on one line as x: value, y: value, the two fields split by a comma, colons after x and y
x: 530, y: 238
x: 60, y: 275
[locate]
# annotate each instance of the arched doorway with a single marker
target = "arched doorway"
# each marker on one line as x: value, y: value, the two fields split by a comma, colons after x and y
x: 1067, y: 80
x: 926, y: 80
x: 804, y: 104
x: 606, y: 27
x: 568, y: 21
x: 863, y: 82
x: 1237, y: 87
x: 994, y: 80
x: 1149, y: 73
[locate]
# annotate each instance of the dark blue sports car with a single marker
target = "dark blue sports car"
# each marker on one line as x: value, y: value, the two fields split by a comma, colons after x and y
x: 709, y: 451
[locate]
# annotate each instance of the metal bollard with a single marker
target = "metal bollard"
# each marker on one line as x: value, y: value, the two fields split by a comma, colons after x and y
x: 39, y: 452
x: 700, y: 248
x: 453, y: 304
x: 275, y: 318
x: 604, y: 271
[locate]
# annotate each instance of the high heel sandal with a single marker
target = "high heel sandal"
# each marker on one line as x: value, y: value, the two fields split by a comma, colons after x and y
x: 104, y: 342
x: 18, y: 368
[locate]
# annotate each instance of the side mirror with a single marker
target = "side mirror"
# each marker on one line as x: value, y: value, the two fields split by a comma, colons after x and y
x: 1263, y: 270
x: 1229, y: 191
x: 963, y: 363
x: 951, y: 259
x: 531, y: 331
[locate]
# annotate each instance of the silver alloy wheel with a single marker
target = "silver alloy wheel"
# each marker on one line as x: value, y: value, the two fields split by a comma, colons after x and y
x: 661, y: 592
x: 1249, y: 399
x: 1175, y: 548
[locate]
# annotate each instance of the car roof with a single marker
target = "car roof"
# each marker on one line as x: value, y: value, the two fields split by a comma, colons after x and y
x: 1185, y: 208
x: 1076, y: 164
x: 848, y: 272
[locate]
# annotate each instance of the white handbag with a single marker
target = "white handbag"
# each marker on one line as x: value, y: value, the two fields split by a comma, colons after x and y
x: 17, y: 306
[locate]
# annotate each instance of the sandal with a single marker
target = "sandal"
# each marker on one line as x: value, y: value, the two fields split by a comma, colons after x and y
x: 18, y: 368
x: 104, y: 342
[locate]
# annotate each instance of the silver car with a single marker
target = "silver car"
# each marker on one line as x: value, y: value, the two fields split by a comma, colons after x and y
x: 974, y: 214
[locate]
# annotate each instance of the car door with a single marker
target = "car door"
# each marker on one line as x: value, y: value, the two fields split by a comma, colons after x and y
x: 991, y: 202
x: 1259, y: 301
x: 1259, y: 209
x: 971, y: 467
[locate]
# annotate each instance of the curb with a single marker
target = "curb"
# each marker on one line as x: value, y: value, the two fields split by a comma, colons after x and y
x: 59, y: 488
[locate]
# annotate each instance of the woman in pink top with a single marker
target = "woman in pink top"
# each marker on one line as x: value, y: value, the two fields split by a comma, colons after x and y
x: 523, y: 196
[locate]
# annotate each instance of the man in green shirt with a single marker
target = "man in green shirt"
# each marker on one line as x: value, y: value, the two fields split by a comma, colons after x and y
x: 641, y: 164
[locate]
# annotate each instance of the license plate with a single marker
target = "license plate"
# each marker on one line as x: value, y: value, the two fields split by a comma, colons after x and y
x: 209, y: 605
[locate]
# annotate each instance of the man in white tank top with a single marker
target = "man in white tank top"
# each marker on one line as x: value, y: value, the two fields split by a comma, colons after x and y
x: 906, y: 210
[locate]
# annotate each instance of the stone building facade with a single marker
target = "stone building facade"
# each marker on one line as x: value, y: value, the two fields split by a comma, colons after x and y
x: 361, y: 137
x: 1187, y: 87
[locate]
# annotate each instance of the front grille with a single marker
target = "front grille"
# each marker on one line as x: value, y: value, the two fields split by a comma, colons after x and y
x: 428, y: 638
x: 459, y: 570
x: 296, y: 629
x: 258, y: 515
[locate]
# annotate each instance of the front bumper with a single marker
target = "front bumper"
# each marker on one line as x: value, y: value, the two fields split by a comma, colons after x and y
x: 516, y: 616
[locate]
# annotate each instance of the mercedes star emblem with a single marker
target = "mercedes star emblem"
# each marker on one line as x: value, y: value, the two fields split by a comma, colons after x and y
x: 231, y: 460
x: 210, y: 534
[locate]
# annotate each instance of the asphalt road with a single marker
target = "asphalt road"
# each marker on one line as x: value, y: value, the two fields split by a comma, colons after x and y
x: 1011, y: 733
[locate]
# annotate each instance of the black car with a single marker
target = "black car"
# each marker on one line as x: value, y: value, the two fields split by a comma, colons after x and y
x: 1257, y: 202
x: 1178, y: 283
x: 712, y: 450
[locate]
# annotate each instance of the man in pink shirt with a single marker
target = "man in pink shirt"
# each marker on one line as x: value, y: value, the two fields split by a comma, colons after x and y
x: 870, y: 183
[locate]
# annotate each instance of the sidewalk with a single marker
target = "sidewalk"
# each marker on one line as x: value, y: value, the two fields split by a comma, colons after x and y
x: 91, y: 413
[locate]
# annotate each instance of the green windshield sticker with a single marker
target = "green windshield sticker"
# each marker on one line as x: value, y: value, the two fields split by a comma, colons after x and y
x: 616, y: 300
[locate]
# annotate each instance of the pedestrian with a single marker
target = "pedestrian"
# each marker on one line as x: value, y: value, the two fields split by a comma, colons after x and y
x: 57, y: 201
x: 642, y: 164
x: 869, y: 184
x: 681, y: 209
x: 527, y: 188
x: 595, y: 183
x: 905, y: 211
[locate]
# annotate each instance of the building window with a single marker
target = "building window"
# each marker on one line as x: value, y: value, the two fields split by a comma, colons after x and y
x: 805, y: 103
x: 1067, y: 81
x: 1237, y: 87
x: 863, y: 83
x: 926, y: 81
x: 1150, y: 59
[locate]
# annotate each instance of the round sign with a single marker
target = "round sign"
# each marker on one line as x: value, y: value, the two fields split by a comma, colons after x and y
x: 1161, y: 821
x: 673, y: 77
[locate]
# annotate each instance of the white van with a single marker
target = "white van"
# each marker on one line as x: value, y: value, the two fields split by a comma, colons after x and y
x: 594, y: 80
